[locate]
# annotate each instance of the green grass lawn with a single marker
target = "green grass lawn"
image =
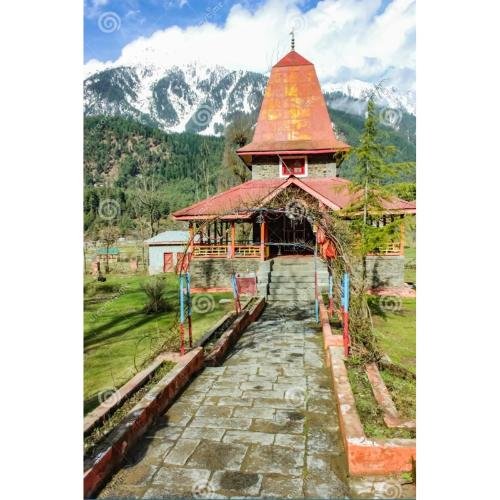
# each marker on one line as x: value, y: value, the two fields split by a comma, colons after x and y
x: 119, y: 337
x: 396, y: 331
x: 370, y: 414
x: 394, y: 324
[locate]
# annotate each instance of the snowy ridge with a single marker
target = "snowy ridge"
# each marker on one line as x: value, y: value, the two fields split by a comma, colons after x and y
x: 202, y: 99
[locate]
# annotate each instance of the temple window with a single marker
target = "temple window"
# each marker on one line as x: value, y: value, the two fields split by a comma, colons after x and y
x: 293, y: 165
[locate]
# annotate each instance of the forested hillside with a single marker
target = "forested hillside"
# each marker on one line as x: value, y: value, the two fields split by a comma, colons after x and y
x: 127, y: 161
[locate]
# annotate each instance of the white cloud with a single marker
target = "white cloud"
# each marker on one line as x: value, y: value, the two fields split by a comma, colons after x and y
x: 345, y: 39
x: 93, y: 7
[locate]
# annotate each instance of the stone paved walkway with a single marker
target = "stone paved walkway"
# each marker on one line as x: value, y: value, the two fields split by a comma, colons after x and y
x: 261, y: 425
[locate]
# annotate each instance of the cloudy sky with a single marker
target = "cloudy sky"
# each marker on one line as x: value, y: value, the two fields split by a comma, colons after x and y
x: 370, y: 40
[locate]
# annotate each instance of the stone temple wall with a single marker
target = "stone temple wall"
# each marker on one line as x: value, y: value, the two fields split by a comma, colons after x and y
x: 385, y: 271
x: 216, y: 273
x: 267, y: 167
x: 382, y: 271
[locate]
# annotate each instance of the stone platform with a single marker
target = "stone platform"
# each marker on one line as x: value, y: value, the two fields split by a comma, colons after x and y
x: 261, y: 425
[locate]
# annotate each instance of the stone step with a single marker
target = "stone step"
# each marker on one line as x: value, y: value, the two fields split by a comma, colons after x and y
x: 292, y: 291
x: 308, y: 262
x: 289, y: 305
x: 307, y: 296
x: 298, y: 278
x: 291, y: 279
x: 293, y: 266
x: 294, y: 269
x: 288, y: 261
x: 291, y: 285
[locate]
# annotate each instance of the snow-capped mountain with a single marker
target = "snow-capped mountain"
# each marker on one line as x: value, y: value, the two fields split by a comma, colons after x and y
x: 351, y: 96
x: 203, y: 99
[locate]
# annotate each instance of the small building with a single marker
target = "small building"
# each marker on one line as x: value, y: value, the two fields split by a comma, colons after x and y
x: 108, y: 254
x: 166, y: 250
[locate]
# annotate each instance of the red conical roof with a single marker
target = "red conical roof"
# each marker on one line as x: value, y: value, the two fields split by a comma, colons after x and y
x: 293, y: 116
x: 293, y: 59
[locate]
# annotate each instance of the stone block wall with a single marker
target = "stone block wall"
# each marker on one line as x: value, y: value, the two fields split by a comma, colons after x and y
x: 268, y: 167
x: 322, y: 166
x: 385, y: 271
x: 216, y: 273
x: 382, y: 271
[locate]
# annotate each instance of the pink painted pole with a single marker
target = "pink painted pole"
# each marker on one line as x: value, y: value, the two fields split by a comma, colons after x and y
x: 346, y: 338
x: 181, y: 329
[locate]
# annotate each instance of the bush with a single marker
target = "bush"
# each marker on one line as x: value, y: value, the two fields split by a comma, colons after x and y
x: 155, y: 290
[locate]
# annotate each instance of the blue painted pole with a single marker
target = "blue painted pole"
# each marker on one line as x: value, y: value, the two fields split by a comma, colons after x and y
x: 181, y: 302
x: 345, y: 314
x: 188, y: 302
x: 188, y: 294
x: 234, y: 286
x: 342, y: 293
x: 181, y: 297
x: 346, y: 292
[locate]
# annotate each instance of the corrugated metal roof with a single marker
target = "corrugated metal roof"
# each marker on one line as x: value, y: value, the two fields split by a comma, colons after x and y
x: 110, y: 251
x: 170, y: 237
x: 334, y: 192
x: 293, y: 115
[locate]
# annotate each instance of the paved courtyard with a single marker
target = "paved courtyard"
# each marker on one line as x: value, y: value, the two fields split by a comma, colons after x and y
x: 261, y: 425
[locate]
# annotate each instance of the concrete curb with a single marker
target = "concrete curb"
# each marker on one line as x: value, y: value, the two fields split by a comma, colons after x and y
x: 96, y: 416
x: 365, y: 456
x: 391, y: 415
x: 113, y: 449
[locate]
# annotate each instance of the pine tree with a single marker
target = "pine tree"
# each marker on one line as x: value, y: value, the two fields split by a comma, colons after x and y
x: 371, y: 165
x: 372, y: 169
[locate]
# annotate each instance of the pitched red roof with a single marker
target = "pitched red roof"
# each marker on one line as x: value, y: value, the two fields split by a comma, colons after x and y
x: 293, y: 116
x: 234, y: 203
x: 292, y: 59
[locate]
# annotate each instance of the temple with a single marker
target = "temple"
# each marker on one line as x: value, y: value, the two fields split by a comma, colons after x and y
x: 294, y: 159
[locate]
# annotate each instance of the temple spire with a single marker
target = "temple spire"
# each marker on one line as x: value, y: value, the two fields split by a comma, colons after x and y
x: 292, y: 34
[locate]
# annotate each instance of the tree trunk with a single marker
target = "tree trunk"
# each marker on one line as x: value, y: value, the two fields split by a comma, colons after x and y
x: 107, y: 260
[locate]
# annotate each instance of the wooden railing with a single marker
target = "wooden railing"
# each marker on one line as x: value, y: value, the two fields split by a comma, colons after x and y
x: 394, y: 248
x: 210, y: 250
x: 224, y: 251
x: 246, y: 250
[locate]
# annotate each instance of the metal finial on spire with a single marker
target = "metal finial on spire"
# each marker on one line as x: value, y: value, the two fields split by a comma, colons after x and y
x: 292, y: 33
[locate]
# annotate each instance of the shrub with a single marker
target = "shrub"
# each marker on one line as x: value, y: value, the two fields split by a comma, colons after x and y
x: 155, y: 290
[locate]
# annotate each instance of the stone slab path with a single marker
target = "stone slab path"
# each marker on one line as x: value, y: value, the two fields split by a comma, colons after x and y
x: 261, y: 425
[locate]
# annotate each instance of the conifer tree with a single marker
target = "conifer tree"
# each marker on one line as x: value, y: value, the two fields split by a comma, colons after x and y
x: 372, y: 169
